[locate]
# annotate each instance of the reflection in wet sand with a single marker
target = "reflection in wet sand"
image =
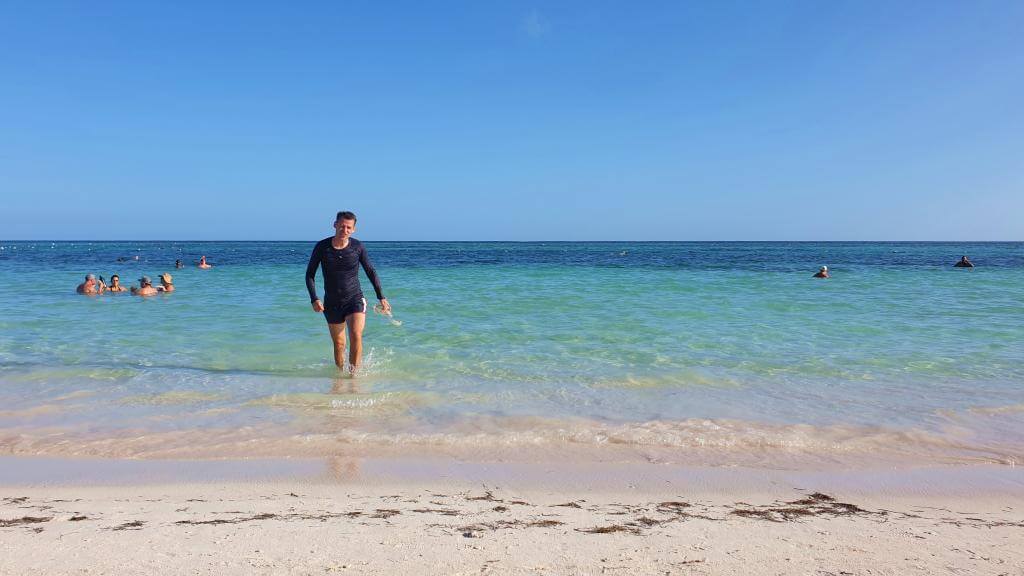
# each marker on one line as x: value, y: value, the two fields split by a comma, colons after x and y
x: 343, y: 385
x: 343, y: 468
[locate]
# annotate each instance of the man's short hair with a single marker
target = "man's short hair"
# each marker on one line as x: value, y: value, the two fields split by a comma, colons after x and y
x: 345, y: 215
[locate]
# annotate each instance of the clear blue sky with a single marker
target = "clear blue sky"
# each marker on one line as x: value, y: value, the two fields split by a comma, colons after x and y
x: 513, y: 121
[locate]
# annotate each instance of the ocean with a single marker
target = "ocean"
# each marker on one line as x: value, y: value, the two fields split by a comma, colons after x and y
x: 705, y: 353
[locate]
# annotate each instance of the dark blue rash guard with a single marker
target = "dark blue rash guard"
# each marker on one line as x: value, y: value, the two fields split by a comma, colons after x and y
x: 341, y: 272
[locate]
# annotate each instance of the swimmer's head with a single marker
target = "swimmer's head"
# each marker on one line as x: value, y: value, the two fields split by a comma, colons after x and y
x: 824, y: 268
x: 145, y: 281
x: 90, y: 278
x: 166, y: 278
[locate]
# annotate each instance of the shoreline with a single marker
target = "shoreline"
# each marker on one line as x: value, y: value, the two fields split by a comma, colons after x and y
x: 869, y: 481
x: 432, y: 516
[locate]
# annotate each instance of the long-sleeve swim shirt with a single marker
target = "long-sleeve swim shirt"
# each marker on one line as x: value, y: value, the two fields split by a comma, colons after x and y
x: 341, y: 271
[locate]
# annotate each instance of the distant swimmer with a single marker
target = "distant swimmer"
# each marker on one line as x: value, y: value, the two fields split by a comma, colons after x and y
x: 178, y: 264
x: 165, y: 283
x: 91, y: 286
x: 963, y: 263
x: 344, y: 306
x: 203, y: 264
x: 115, y: 284
x: 145, y: 288
x: 822, y: 273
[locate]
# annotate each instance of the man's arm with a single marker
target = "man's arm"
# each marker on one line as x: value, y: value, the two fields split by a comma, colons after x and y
x: 314, y: 261
x: 371, y: 273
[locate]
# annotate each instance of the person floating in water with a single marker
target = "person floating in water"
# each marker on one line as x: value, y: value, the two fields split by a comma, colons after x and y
x: 964, y: 263
x: 822, y: 273
x: 91, y: 286
x: 344, y: 306
x: 203, y: 264
x: 178, y: 264
x: 166, y: 285
x: 145, y: 288
x: 115, y: 284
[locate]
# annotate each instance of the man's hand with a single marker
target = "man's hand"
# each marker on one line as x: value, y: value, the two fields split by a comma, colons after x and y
x: 318, y: 306
x: 385, y: 307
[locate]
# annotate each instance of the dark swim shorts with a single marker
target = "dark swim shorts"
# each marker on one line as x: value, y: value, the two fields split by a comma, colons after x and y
x: 336, y: 313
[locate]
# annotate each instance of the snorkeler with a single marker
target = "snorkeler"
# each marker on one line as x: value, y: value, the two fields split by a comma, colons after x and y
x: 963, y: 263
x: 344, y: 306
x: 822, y: 273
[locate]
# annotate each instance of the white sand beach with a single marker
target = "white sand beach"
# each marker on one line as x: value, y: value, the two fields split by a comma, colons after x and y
x: 597, y: 522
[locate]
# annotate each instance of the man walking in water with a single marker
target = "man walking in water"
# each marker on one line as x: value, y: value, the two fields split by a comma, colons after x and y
x: 339, y: 258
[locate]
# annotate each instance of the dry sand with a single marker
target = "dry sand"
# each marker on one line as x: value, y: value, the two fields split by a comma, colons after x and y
x: 366, y: 524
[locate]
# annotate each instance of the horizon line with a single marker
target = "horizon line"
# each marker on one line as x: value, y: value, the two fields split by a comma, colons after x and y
x: 51, y: 240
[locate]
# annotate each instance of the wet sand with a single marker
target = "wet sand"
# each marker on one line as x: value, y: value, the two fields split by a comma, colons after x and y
x: 446, y: 517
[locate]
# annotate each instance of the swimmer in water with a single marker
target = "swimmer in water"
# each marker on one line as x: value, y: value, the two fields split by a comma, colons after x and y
x: 91, y: 286
x: 178, y: 264
x: 145, y: 288
x: 822, y: 273
x: 115, y: 284
x: 203, y: 264
x: 165, y: 283
x: 963, y: 263
x: 344, y: 306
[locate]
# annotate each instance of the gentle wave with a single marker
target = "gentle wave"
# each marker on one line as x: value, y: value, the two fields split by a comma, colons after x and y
x: 355, y: 402
x: 174, y: 397
x: 1012, y: 409
x: 696, y: 441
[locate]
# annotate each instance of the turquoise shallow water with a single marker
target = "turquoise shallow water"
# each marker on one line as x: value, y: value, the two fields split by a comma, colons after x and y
x: 719, y: 353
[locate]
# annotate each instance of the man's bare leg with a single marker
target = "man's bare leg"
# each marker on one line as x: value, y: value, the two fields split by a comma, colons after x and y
x: 355, y: 323
x: 338, y: 338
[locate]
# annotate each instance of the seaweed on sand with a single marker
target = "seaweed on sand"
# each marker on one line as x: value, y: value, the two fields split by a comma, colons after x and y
x: 23, y: 520
x: 816, y: 504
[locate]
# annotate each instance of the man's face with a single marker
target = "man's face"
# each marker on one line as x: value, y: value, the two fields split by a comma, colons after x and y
x: 345, y: 228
